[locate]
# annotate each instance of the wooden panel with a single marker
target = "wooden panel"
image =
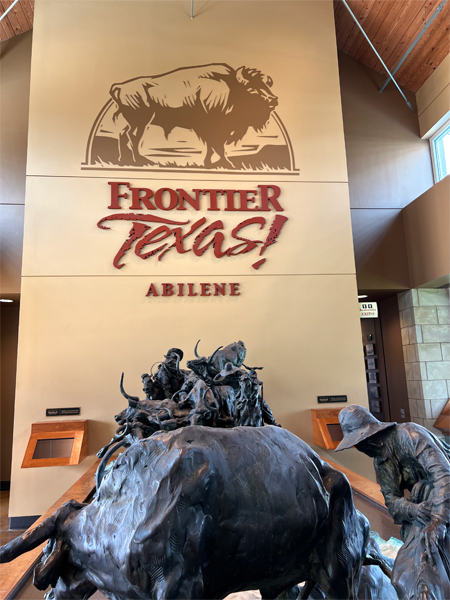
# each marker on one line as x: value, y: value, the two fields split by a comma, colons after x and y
x: 14, y: 573
x: 414, y: 25
x: 6, y: 30
x: 392, y: 25
x: 321, y: 418
x: 395, y: 33
x: 386, y: 16
x: 386, y: 32
x: 28, y: 9
x: 18, y: 20
x: 429, y: 56
x: 363, y: 14
x: 57, y: 430
x: 44, y: 426
x: 348, y: 25
x: 425, y: 45
x: 374, y: 20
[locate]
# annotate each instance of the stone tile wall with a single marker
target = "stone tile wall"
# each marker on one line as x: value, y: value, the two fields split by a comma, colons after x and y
x: 425, y: 327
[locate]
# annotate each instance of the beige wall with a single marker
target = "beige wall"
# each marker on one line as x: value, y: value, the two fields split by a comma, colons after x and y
x: 433, y: 100
x: 83, y: 322
x: 9, y: 316
x: 15, y: 60
x: 379, y: 243
x: 427, y: 226
x: 388, y: 164
x: 388, y: 167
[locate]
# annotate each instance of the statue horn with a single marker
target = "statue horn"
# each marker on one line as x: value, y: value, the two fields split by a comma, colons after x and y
x: 178, y: 365
x: 195, y: 349
x: 102, y: 466
x: 132, y: 400
x: 213, y: 354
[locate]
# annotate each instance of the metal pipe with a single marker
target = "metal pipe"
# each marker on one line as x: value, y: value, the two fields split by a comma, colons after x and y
x: 414, y: 43
x: 8, y: 9
x: 192, y: 9
x: 378, y: 56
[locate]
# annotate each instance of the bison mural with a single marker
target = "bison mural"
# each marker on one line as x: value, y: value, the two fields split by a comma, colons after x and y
x: 201, y: 513
x: 209, y: 116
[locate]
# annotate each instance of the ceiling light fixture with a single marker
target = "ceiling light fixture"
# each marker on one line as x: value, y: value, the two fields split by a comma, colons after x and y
x: 6, y: 300
x: 363, y: 296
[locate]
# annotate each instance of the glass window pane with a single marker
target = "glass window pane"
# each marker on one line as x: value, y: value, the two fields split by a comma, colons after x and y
x: 56, y: 448
x: 441, y: 148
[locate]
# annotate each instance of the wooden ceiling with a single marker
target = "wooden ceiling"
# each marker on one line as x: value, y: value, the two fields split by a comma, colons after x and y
x: 391, y: 26
x: 18, y: 20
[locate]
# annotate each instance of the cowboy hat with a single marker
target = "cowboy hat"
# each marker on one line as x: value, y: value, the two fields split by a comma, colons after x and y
x: 358, y: 424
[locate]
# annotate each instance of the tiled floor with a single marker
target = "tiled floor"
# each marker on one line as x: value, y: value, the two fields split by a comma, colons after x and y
x: 6, y: 534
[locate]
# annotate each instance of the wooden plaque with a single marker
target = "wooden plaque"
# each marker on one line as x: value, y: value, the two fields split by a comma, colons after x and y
x: 327, y: 432
x: 74, y: 433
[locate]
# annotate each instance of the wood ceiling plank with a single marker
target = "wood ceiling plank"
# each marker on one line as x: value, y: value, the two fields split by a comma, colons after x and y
x: 395, y: 27
x: 6, y: 23
x: 344, y: 23
x: 401, y: 33
x: 356, y: 7
x: 419, y: 65
x: 388, y: 23
x: 360, y: 44
x: 428, y: 66
x: 15, y: 16
x: 412, y: 32
x: 28, y: 9
x: 434, y: 36
x: 355, y: 30
x: 21, y: 16
x: 376, y: 31
x: 4, y: 35
x: 340, y: 16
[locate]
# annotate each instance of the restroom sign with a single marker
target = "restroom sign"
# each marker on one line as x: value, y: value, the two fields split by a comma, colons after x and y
x: 368, y: 310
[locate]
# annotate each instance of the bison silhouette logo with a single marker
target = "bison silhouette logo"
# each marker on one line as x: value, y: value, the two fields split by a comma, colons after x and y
x: 208, y: 117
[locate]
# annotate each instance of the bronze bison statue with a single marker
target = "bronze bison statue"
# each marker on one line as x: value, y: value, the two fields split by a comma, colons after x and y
x: 201, y: 513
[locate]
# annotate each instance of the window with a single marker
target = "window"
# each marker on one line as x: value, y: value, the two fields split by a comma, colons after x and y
x: 440, y: 152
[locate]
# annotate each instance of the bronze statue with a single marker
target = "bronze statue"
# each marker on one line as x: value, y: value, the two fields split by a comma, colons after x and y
x: 207, y: 500
x: 201, y: 512
x: 408, y: 457
x: 215, y: 391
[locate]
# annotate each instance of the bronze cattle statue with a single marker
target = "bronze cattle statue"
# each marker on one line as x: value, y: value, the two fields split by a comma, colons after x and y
x: 216, y: 102
x: 201, y: 513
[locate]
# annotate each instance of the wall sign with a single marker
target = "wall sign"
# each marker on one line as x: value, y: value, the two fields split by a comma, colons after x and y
x: 152, y: 236
x: 198, y: 118
x: 326, y: 399
x: 368, y: 310
x: 58, y: 412
x: 209, y: 118
x: 193, y: 289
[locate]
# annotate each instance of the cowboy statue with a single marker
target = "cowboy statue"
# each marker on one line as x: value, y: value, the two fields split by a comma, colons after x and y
x: 413, y: 470
x: 169, y: 375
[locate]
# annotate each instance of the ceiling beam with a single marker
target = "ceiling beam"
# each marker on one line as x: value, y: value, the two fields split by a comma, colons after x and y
x: 8, y: 9
x: 378, y: 56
